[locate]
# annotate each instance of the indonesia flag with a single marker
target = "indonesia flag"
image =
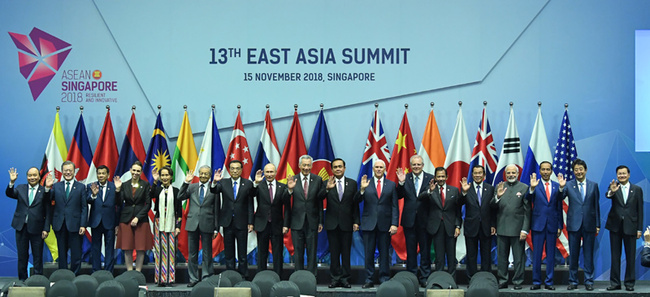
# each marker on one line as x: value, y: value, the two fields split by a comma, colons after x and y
x: 511, y: 151
x: 457, y: 165
x: 484, y: 152
x: 105, y: 152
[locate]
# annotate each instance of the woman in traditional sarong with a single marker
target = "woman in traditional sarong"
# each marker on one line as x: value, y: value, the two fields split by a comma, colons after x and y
x: 167, y: 224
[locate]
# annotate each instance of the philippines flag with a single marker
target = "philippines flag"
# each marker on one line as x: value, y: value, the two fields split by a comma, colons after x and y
x: 321, y: 150
x: 511, y: 151
x: 484, y: 152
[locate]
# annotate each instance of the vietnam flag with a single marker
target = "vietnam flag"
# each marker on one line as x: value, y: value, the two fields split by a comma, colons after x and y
x: 402, y: 151
x: 289, y: 164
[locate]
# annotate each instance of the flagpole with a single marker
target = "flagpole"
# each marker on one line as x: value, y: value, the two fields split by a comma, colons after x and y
x: 81, y: 109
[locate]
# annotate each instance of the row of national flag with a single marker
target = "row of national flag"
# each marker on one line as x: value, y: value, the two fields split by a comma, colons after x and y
x: 459, y: 159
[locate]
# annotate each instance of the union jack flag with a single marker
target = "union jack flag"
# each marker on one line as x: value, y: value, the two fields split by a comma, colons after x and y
x: 376, y: 147
x: 484, y: 152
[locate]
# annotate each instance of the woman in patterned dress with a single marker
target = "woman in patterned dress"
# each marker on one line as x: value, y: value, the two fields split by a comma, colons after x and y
x: 167, y: 224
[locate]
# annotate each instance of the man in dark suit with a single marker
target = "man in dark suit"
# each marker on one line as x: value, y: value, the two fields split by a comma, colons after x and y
x: 645, y: 253
x: 103, y: 220
x: 444, y: 220
x: 31, y: 218
x: 410, y: 186
x: 236, y: 214
x: 582, y: 223
x: 480, y: 222
x: 513, y: 225
x: 341, y: 219
x: 271, y: 219
x: 201, y: 223
x: 625, y: 224
x: 308, y: 191
x: 546, y: 222
x: 379, y: 220
x: 70, y: 217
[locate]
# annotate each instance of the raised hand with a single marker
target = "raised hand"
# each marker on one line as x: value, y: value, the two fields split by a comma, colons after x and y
x: 561, y: 180
x: 364, y: 182
x: 49, y: 180
x: 501, y: 189
x: 217, y: 176
x: 117, y: 181
x: 13, y: 174
x: 614, y: 185
x: 94, y: 188
x: 155, y: 174
x: 259, y: 176
x: 401, y: 176
x: 533, y: 181
x: 432, y: 185
x: 331, y: 183
x: 464, y: 185
x: 189, y: 177
x: 291, y: 181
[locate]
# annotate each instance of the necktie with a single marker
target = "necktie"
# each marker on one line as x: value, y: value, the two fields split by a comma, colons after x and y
x: 417, y: 185
x: 442, y: 195
x: 548, y: 193
x: 234, y: 190
x: 305, y: 186
x: 378, y: 188
x: 340, y: 188
x: 478, y: 194
x: 201, y: 194
x: 624, y: 189
x: 67, y: 190
x: 31, y: 195
x: 582, y: 191
x: 271, y: 191
x: 101, y: 193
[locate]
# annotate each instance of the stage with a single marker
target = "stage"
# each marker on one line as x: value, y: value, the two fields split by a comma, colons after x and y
x: 180, y: 289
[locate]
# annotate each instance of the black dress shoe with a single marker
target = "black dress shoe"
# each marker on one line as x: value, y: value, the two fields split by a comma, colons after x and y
x: 345, y: 285
x: 518, y: 287
x: 589, y: 287
x: 612, y: 288
x: 573, y: 287
x: 423, y: 284
x: 503, y: 286
x: 535, y: 287
x: 549, y: 287
x: 367, y: 286
x: 629, y: 288
x: 162, y: 285
x: 192, y: 284
x: 333, y: 285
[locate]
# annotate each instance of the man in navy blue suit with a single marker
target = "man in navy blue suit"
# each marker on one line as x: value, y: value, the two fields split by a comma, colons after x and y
x: 546, y: 221
x: 625, y: 224
x: 103, y: 219
x: 69, y: 217
x: 582, y: 223
x: 379, y: 220
x: 31, y: 218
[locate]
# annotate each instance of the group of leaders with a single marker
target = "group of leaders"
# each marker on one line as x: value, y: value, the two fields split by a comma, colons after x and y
x: 431, y: 215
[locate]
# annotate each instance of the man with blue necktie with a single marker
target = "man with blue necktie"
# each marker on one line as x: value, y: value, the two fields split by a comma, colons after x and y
x: 104, y: 219
x: 31, y: 218
x: 582, y: 223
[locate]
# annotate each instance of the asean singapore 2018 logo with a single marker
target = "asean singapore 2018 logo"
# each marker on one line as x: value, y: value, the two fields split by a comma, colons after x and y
x: 40, y: 56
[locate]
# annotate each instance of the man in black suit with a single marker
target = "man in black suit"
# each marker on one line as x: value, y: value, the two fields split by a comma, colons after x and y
x: 625, y: 224
x: 444, y: 219
x: 202, y: 222
x: 410, y: 186
x: 645, y: 253
x: 236, y: 214
x: 379, y: 220
x: 69, y: 217
x: 480, y: 222
x: 308, y: 191
x: 31, y: 218
x: 271, y: 219
x: 104, y: 219
x: 341, y: 219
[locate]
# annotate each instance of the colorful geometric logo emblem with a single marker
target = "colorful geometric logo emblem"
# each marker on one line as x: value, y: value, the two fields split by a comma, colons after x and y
x: 40, y: 55
x: 97, y: 74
